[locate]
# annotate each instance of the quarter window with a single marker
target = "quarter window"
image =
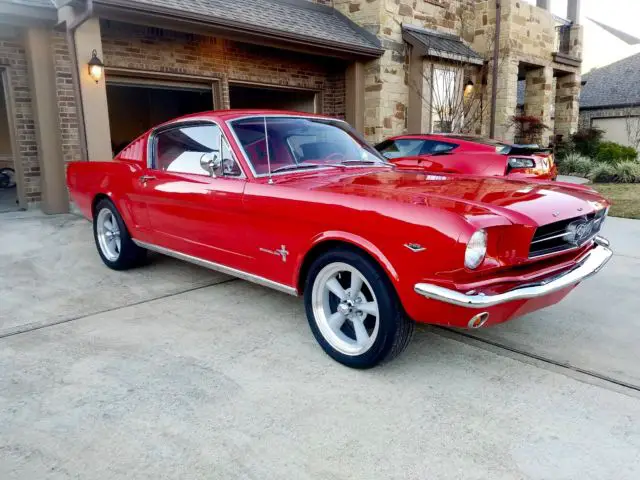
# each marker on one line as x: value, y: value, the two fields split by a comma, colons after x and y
x: 405, y: 147
x: 180, y: 149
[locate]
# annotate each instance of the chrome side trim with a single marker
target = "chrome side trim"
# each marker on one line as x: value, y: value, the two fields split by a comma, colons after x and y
x: 591, y: 264
x: 234, y: 272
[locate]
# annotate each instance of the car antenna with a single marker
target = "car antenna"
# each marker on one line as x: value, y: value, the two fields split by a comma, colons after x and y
x: 266, y: 142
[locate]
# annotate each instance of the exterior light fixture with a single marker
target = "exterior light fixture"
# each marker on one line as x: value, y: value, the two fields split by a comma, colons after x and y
x: 96, y: 67
x: 468, y: 87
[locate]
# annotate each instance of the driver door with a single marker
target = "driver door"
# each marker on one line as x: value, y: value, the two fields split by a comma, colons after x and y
x: 193, y: 190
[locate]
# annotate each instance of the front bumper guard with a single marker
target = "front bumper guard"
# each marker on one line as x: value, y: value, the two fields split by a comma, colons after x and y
x: 591, y: 264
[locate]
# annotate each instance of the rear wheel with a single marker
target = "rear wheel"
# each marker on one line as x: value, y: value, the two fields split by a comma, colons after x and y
x: 354, y: 311
x: 115, y: 246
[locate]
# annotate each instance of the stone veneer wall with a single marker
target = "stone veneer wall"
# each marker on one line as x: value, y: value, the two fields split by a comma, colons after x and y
x: 13, y: 57
x: 386, y: 79
x: 156, y: 50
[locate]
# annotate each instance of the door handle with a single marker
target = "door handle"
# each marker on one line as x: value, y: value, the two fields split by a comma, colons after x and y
x: 146, y: 178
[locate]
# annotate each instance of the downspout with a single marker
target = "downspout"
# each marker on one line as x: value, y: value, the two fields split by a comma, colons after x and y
x: 75, y: 76
x: 494, y: 73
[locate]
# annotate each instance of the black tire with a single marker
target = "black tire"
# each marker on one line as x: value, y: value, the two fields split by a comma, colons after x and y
x: 395, y: 329
x: 130, y: 255
x: 7, y: 178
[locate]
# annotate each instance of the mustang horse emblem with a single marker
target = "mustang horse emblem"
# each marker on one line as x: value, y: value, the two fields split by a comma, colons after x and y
x: 281, y: 252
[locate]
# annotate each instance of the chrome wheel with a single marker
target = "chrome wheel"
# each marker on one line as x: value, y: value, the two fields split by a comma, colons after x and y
x: 108, y: 235
x: 345, y: 309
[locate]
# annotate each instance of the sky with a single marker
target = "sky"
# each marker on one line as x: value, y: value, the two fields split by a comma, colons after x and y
x: 600, y: 47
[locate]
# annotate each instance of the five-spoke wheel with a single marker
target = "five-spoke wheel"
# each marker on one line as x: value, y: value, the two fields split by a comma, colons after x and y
x: 108, y: 234
x: 115, y: 246
x: 353, y: 309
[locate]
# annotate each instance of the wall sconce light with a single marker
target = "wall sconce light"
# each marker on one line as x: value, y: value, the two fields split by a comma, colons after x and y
x: 468, y: 87
x: 96, y: 67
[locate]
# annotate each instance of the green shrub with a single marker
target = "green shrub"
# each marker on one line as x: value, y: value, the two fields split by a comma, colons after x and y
x: 628, y: 172
x: 574, y: 164
x: 583, y: 166
x: 611, y: 152
x: 587, y: 140
x: 603, y: 173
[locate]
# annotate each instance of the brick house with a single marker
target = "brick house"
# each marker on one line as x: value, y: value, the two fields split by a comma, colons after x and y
x: 368, y: 61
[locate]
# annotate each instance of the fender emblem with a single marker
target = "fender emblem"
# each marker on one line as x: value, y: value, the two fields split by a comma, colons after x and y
x: 281, y: 252
x: 415, y: 247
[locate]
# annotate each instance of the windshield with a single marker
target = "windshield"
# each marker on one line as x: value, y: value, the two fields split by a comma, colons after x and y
x: 297, y: 143
x: 500, y: 146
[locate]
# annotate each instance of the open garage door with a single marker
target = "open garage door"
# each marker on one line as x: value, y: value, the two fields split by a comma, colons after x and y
x: 136, y: 105
x: 255, y: 96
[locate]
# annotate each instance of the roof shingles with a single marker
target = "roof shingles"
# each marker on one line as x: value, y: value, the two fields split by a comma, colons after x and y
x: 617, y: 84
x: 295, y: 17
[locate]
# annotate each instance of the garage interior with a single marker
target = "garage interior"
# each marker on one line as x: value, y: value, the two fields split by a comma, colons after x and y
x: 8, y: 190
x: 136, y: 105
x: 254, y: 96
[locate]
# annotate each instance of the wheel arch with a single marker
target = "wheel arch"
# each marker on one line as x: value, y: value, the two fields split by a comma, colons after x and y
x: 331, y: 240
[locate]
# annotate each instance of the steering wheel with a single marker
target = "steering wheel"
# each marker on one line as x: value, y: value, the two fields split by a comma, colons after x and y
x: 335, y: 156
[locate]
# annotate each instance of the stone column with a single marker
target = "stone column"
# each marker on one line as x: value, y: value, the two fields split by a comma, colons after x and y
x: 537, y: 97
x: 573, y: 10
x: 42, y: 78
x: 567, y: 96
x: 94, y: 95
x: 354, y: 95
x: 507, y: 98
x: 543, y: 4
x: 417, y: 109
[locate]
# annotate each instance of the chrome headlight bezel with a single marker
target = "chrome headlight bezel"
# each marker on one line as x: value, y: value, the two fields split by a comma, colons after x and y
x: 476, y: 250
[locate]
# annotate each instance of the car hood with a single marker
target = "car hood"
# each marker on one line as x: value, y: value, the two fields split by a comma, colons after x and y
x: 536, y: 203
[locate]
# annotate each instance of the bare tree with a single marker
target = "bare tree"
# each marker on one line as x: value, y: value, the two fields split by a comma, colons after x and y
x: 632, y: 125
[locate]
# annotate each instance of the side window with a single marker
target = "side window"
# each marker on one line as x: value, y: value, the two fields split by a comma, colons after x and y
x: 433, y: 147
x: 404, y: 147
x: 180, y: 150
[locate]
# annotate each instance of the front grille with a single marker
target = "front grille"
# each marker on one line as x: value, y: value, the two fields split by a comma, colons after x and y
x: 566, y: 234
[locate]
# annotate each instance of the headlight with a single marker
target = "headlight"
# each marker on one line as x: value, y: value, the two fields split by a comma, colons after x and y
x: 515, y: 162
x: 476, y: 250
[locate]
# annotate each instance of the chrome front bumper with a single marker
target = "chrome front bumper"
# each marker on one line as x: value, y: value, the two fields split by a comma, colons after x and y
x: 591, y: 264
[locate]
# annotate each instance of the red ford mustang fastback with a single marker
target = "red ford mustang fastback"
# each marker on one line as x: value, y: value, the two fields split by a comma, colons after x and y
x: 453, y: 153
x: 302, y: 204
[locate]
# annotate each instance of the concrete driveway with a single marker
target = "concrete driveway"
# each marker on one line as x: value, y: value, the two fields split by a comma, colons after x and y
x: 171, y: 371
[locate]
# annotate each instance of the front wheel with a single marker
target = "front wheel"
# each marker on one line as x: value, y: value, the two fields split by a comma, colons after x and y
x: 353, y: 309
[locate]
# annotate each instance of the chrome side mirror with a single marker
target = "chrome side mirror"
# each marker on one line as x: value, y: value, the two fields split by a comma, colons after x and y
x: 211, y: 163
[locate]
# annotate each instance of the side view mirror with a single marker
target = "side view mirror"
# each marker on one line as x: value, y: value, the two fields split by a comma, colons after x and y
x: 211, y: 163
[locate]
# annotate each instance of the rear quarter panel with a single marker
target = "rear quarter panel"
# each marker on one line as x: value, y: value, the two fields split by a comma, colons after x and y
x: 115, y: 179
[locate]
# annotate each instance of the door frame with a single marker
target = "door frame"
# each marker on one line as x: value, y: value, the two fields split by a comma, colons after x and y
x: 5, y: 73
x: 317, y: 94
x: 167, y: 79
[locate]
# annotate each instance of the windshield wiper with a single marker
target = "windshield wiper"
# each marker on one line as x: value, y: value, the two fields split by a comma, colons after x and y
x: 361, y: 162
x: 296, y: 167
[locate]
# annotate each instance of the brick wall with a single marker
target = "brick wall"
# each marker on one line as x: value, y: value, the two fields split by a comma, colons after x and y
x: 67, y: 112
x: 13, y: 57
x: 152, y: 49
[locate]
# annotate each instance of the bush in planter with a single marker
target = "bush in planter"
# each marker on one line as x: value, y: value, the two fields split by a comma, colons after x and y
x: 611, y: 152
x: 603, y: 173
x: 587, y: 140
x: 628, y: 172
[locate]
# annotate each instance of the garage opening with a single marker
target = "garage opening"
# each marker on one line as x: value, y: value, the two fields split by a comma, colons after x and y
x: 254, y: 96
x: 8, y: 190
x: 136, y: 105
